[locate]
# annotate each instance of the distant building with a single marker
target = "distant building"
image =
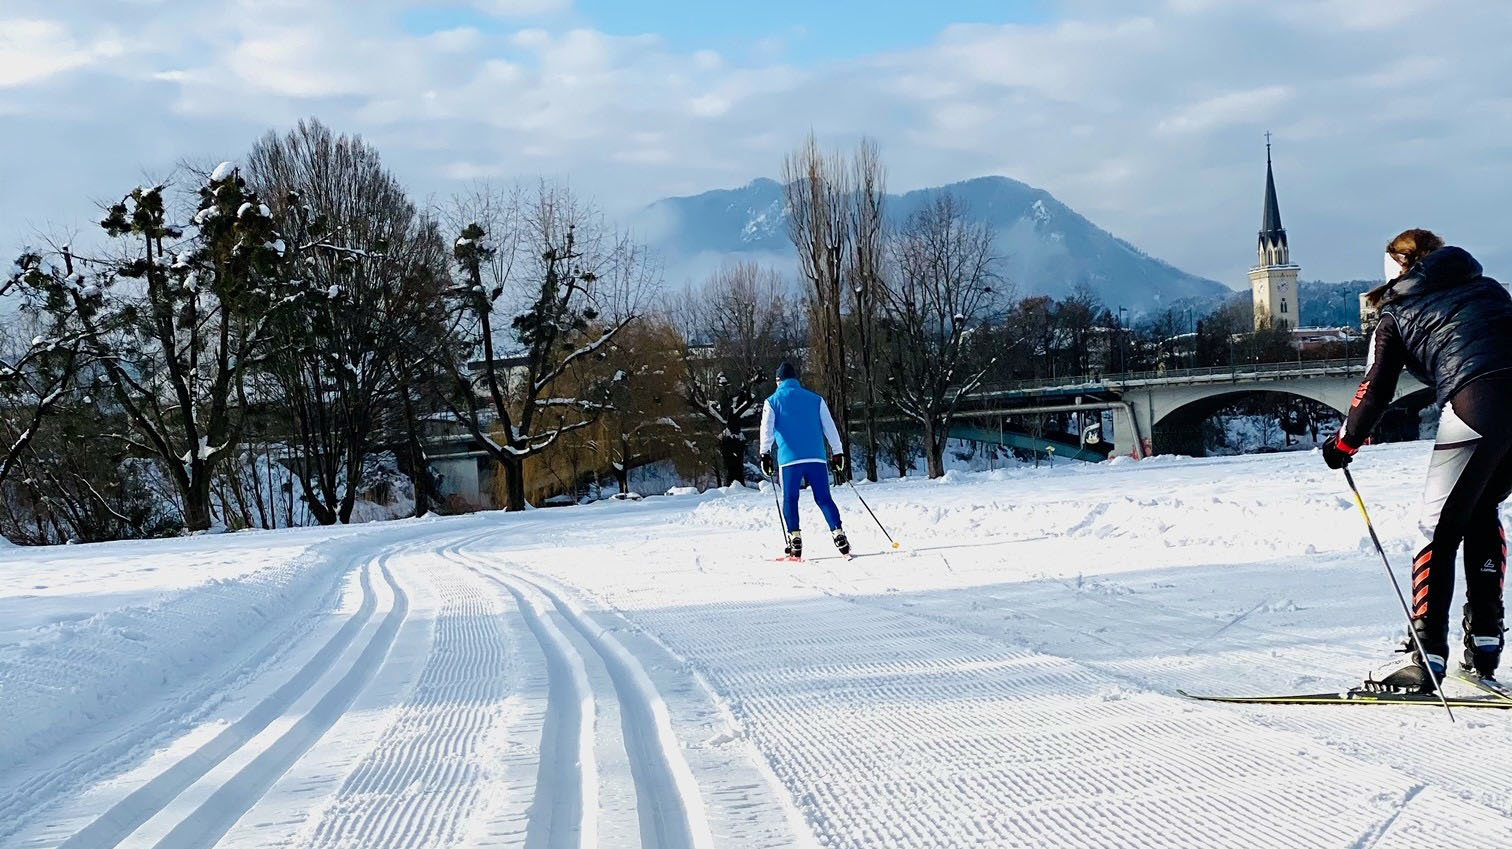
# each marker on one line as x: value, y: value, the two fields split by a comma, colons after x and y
x: 1368, y: 314
x: 1323, y: 339
x: 1273, y: 280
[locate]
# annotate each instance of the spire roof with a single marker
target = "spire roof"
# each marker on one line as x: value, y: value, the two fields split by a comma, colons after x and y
x: 1270, y: 220
x: 1272, y: 248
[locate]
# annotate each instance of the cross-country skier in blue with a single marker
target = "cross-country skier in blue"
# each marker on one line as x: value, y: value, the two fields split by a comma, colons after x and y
x: 797, y: 423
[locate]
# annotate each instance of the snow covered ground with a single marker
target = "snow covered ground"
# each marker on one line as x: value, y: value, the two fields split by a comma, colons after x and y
x: 642, y: 674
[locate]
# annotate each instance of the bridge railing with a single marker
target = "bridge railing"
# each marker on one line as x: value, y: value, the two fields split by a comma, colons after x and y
x: 1236, y: 372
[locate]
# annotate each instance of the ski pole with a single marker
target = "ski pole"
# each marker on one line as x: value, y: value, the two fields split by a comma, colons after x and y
x: 1406, y: 611
x: 781, y: 519
x: 873, y: 515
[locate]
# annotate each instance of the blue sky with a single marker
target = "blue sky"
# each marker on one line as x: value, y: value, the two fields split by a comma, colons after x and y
x: 808, y: 30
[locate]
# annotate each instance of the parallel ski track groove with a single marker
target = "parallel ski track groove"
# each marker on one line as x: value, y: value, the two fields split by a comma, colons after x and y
x: 233, y: 798
x: 184, y: 709
x: 670, y: 805
x: 564, y: 814
x: 421, y: 780
x: 124, y: 817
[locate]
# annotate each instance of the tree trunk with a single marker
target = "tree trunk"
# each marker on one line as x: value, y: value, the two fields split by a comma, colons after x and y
x: 314, y: 501
x: 198, y: 512
x: 900, y: 454
x: 514, y: 484
x: 934, y: 450
x: 348, y: 502
x: 843, y: 415
x: 732, y: 449
x: 868, y: 377
x: 871, y: 436
x: 419, y: 465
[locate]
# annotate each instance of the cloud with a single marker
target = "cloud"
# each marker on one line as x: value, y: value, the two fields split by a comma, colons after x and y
x: 1149, y: 122
x: 1227, y: 109
x: 523, y: 8
x: 33, y: 49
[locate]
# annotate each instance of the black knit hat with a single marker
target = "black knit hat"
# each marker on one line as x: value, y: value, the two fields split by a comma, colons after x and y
x: 785, y: 372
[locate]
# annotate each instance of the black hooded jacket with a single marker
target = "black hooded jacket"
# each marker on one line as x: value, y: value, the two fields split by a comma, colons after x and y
x: 1445, y: 322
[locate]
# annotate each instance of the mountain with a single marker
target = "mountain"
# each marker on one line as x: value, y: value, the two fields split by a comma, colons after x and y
x: 1333, y: 304
x: 1047, y: 247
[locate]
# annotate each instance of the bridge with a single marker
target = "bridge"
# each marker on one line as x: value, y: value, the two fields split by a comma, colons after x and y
x: 1159, y: 412
x: 1153, y: 412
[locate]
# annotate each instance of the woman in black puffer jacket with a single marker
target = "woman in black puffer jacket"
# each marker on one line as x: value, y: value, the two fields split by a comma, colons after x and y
x: 1451, y: 327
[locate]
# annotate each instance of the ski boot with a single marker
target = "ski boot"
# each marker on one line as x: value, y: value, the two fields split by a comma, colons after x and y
x: 794, y: 550
x: 842, y: 544
x: 1482, y: 651
x: 1408, y: 675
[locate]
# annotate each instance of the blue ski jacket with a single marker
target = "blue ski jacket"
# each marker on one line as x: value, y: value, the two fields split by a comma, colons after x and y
x: 798, y: 423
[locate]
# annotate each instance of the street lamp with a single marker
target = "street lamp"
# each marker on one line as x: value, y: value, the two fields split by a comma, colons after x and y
x: 1123, y: 338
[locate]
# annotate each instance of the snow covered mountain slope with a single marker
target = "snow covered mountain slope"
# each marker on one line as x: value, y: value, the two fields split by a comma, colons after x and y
x: 1047, y: 247
x: 641, y: 674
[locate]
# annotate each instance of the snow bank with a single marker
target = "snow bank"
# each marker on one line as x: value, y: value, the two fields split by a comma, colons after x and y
x: 1299, y: 507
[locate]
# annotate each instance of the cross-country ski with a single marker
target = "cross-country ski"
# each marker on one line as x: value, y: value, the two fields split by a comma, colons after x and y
x: 1354, y: 697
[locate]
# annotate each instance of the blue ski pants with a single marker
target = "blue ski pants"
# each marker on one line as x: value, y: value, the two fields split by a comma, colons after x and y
x: 816, y: 474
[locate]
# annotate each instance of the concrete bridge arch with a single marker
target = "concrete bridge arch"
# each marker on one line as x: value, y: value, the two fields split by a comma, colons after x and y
x: 1156, y: 406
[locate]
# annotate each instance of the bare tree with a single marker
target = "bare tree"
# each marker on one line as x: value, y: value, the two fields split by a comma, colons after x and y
x: 818, y: 191
x: 942, y: 283
x: 866, y: 219
x: 737, y: 328
x: 566, y: 286
x: 1076, y: 320
x: 342, y: 369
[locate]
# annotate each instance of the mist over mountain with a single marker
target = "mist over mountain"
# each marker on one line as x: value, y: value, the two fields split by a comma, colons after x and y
x: 1047, y: 247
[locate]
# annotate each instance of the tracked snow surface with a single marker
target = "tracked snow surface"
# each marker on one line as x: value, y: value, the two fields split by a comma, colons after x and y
x: 641, y: 674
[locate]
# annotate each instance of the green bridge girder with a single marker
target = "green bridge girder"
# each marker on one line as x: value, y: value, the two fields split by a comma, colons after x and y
x: 1026, y: 442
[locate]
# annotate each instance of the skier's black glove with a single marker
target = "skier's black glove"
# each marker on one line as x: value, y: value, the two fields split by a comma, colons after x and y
x: 1337, y: 454
x: 768, y: 465
x: 837, y: 464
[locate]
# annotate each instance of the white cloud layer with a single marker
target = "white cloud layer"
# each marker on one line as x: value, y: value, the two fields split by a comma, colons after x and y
x: 1387, y: 113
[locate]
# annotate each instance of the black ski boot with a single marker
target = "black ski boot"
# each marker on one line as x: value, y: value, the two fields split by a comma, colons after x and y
x: 795, y: 545
x: 1409, y: 674
x: 841, y: 543
x: 1482, y: 650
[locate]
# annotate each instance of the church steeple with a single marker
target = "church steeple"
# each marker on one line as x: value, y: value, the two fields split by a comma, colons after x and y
x: 1273, y: 249
x: 1273, y: 280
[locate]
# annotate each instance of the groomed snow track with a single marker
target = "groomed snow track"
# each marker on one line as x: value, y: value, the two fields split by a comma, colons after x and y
x: 237, y: 766
x: 670, y: 809
x: 466, y: 668
x: 632, y: 677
